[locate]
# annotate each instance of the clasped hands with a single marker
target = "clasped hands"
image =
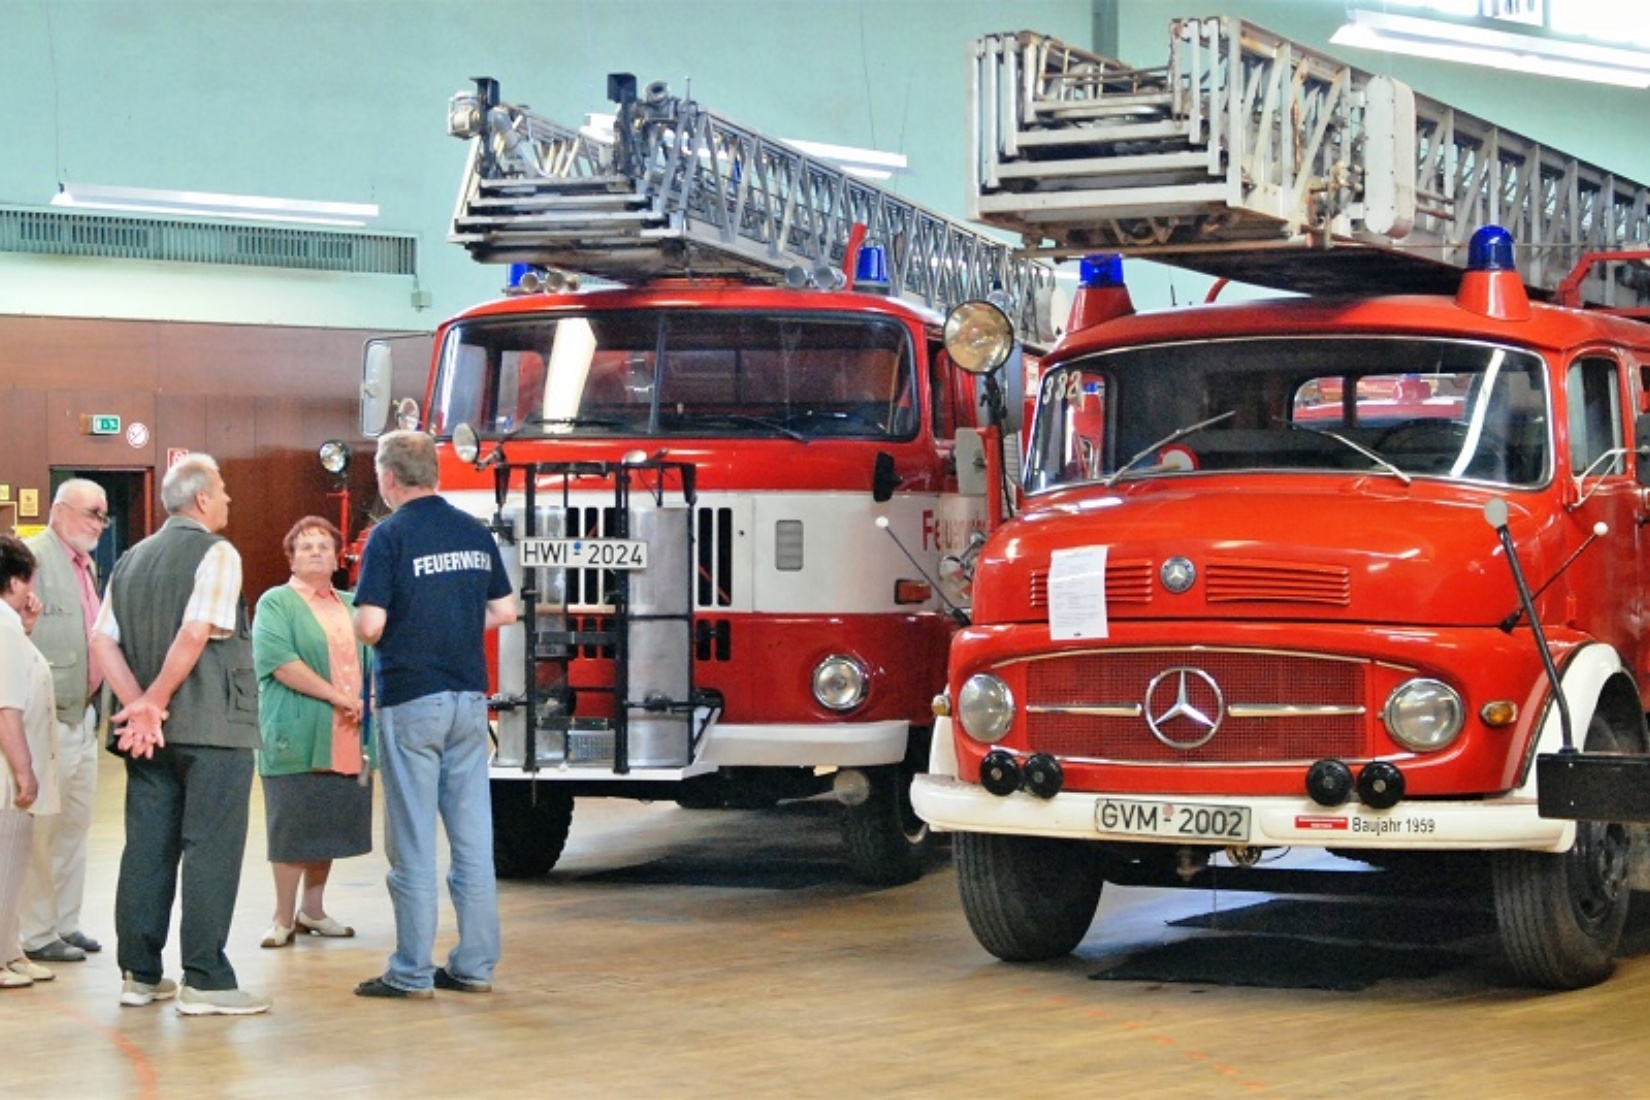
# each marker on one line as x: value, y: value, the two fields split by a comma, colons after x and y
x: 138, y: 730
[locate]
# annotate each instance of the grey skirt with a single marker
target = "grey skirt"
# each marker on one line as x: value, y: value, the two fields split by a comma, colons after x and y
x: 316, y: 816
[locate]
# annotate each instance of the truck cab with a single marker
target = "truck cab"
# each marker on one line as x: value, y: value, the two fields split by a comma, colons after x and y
x: 1253, y: 603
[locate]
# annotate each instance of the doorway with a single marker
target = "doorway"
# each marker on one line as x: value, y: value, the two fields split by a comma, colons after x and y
x: 130, y: 509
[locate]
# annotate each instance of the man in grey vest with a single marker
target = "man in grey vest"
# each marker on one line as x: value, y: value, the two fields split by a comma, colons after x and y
x: 66, y: 583
x: 173, y: 641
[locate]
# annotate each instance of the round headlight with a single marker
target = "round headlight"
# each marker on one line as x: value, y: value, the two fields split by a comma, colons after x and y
x: 978, y: 337
x: 840, y: 683
x: 466, y: 445
x: 1424, y: 715
x: 985, y: 707
x: 334, y: 455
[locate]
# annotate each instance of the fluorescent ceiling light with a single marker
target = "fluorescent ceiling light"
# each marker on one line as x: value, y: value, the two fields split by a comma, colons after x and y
x: 206, y: 204
x: 1474, y: 44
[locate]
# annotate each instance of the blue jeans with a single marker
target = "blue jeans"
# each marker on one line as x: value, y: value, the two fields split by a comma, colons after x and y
x: 434, y: 758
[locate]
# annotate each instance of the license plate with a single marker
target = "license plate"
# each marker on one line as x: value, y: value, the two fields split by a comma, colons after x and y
x: 1172, y: 820
x: 583, y: 553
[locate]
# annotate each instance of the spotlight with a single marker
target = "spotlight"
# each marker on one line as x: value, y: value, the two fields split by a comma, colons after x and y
x: 1000, y: 773
x: 1329, y: 782
x: 1043, y: 775
x: 1380, y: 785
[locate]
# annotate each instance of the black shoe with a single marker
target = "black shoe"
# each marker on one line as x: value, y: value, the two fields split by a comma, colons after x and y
x: 378, y: 987
x: 57, y: 952
x: 82, y: 941
x: 445, y: 980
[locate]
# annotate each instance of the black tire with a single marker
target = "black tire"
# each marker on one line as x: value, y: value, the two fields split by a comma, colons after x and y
x: 1028, y: 898
x: 1562, y: 915
x: 530, y: 823
x: 888, y: 844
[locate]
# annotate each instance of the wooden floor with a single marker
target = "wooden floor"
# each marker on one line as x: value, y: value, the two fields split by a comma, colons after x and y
x: 672, y: 954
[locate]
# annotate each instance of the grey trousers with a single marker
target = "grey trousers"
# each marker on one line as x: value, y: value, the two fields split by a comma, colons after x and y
x: 186, y: 808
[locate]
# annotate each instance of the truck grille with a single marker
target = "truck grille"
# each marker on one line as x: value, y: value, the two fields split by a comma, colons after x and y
x: 1130, y: 582
x: 1127, y: 581
x: 713, y: 556
x: 1271, y: 707
x: 1275, y: 582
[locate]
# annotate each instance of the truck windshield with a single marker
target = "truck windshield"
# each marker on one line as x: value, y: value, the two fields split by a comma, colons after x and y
x: 1397, y: 407
x: 678, y: 372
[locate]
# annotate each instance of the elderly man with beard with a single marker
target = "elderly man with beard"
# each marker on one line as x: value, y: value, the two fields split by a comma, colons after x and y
x: 66, y: 582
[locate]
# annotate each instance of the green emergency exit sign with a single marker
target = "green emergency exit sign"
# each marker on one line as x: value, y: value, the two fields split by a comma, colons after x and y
x: 100, y: 424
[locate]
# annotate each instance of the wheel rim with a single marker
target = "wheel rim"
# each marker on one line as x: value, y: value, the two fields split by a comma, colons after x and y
x: 1598, y: 870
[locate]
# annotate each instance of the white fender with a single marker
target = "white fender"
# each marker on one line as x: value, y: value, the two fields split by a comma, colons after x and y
x: 1584, y: 680
x: 942, y: 750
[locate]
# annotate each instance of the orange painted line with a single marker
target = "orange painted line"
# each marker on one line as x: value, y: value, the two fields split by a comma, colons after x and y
x: 143, y: 1073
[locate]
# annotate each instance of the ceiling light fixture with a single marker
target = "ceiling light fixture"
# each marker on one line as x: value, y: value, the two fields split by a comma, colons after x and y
x: 207, y: 204
x: 1475, y: 44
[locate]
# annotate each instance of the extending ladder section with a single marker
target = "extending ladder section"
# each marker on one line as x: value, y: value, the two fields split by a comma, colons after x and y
x: 681, y: 190
x: 1252, y: 157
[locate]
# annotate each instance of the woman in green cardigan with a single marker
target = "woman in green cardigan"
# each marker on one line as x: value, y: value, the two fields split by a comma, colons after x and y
x: 314, y: 763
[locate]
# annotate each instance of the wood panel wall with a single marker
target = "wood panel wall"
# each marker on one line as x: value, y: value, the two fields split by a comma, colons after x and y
x: 258, y: 399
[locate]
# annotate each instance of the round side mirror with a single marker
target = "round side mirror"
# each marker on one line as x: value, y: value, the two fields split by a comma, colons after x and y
x: 979, y: 337
x: 466, y: 445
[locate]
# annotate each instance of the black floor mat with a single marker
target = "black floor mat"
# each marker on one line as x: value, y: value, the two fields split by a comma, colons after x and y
x: 1293, y: 944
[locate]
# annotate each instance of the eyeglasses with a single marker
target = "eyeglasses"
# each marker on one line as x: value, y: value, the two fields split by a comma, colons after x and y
x: 100, y: 518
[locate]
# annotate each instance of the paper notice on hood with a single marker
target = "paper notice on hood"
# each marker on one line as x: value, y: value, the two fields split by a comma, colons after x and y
x: 1077, y: 594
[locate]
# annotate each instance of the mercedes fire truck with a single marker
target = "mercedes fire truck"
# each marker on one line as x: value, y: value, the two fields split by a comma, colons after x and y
x: 734, y: 475
x: 1362, y: 570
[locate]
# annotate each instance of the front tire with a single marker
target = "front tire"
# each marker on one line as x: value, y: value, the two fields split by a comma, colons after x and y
x: 530, y: 824
x: 1562, y: 915
x: 1028, y: 898
x: 888, y: 844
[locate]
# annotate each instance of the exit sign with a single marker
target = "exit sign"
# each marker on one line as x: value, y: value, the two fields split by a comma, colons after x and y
x: 99, y: 424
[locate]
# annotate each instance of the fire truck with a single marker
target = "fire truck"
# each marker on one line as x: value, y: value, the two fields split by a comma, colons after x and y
x: 731, y: 468
x: 1361, y: 569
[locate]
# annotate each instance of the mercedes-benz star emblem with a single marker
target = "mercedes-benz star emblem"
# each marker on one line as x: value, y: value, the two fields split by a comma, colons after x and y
x: 1178, y: 574
x: 1184, y: 707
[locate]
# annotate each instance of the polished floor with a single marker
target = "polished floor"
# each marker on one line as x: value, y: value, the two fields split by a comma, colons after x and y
x: 682, y: 953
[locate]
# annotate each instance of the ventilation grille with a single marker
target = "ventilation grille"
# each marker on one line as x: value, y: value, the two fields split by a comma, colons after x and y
x: 111, y: 236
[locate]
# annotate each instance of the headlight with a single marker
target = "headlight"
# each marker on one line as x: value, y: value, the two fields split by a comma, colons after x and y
x: 985, y: 707
x: 840, y: 683
x: 334, y: 456
x: 1424, y: 715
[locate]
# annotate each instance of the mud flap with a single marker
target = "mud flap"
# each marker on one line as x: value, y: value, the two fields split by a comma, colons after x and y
x: 1594, y: 786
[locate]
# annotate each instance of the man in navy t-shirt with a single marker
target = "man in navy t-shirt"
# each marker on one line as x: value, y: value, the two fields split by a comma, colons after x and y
x: 432, y: 584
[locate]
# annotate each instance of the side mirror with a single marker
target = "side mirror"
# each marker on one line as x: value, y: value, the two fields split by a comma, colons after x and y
x: 377, y: 375
x: 883, y: 478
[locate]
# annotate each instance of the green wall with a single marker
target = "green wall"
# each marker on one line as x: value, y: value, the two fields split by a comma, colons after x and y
x: 345, y: 100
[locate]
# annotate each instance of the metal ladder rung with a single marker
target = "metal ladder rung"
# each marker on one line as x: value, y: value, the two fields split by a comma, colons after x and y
x: 1090, y: 135
x: 1144, y: 164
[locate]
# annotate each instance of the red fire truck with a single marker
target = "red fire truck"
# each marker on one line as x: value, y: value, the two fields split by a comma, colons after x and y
x: 694, y: 467
x: 1351, y: 572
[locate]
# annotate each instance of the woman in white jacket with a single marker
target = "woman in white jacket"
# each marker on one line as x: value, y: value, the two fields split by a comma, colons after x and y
x: 28, y: 744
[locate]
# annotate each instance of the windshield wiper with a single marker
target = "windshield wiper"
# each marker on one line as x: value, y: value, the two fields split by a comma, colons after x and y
x: 1373, y: 456
x: 1177, y: 434
x: 680, y: 422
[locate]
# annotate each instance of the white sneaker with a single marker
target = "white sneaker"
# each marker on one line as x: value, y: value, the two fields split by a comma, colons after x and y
x: 136, y: 994
x: 220, y: 1002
